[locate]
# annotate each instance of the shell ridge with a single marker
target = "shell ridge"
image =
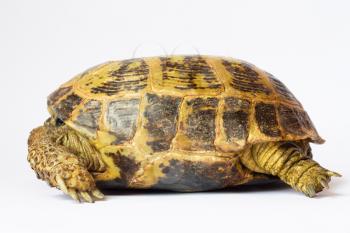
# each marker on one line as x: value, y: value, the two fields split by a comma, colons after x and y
x: 177, y: 123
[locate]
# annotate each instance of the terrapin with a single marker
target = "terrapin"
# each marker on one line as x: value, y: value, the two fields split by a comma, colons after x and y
x: 182, y: 123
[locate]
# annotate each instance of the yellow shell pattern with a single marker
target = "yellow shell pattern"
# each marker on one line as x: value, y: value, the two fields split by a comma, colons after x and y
x: 149, y: 113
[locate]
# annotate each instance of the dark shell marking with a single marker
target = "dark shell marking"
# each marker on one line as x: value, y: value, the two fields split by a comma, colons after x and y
x: 201, y: 122
x: 56, y: 95
x: 188, y: 176
x: 235, y: 118
x: 127, y: 165
x: 294, y: 121
x: 266, y: 118
x: 161, y: 113
x: 65, y: 107
x: 281, y: 89
x: 88, y: 116
x: 122, y: 118
x: 245, y: 78
x: 192, y: 72
x: 131, y: 75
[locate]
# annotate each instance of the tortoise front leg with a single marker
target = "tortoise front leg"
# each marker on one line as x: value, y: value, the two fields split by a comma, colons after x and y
x: 56, y: 164
x: 292, y: 162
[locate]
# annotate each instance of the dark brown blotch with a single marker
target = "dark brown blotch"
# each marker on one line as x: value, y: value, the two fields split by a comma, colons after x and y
x: 235, y: 118
x: 201, y: 122
x: 266, y: 117
x: 190, y: 176
x: 56, y: 95
x: 66, y: 106
x: 161, y: 113
x: 281, y: 89
x: 128, y: 77
x: 128, y: 167
x: 245, y: 78
x: 193, y: 72
x: 294, y: 121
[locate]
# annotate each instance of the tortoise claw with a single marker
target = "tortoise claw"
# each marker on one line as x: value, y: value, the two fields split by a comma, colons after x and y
x: 86, y: 196
x: 61, y: 184
x: 335, y: 174
x: 96, y: 193
x: 77, y: 195
x: 310, y: 191
x: 73, y: 194
x: 324, y: 183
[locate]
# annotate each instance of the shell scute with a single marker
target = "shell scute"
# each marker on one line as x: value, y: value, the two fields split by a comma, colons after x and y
x: 88, y: 116
x: 121, y: 119
x: 186, y: 75
x: 266, y: 117
x: 160, y: 121
x: 245, y: 78
x: 197, y: 129
x: 66, y: 106
x: 235, y: 118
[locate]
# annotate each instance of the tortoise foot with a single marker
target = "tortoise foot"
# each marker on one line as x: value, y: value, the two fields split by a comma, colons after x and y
x: 76, y: 182
x: 314, y: 180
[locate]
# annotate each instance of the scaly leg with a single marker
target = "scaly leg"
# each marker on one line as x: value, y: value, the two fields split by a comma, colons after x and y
x: 53, y: 154
x: 292, y: 163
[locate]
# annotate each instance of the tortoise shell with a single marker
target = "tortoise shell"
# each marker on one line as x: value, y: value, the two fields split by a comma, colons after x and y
x: 183, y: 103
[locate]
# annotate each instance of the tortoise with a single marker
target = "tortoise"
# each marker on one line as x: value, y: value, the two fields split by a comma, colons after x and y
x: 182, y: 123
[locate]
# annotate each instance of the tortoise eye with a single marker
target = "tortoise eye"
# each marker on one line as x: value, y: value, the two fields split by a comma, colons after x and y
x: 59, y: 122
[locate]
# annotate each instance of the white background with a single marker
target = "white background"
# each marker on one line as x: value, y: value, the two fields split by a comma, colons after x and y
x: 44, y: 43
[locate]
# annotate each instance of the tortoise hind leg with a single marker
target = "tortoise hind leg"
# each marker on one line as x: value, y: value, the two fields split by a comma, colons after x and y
x: 56, y: 164
x: 292, y: 163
